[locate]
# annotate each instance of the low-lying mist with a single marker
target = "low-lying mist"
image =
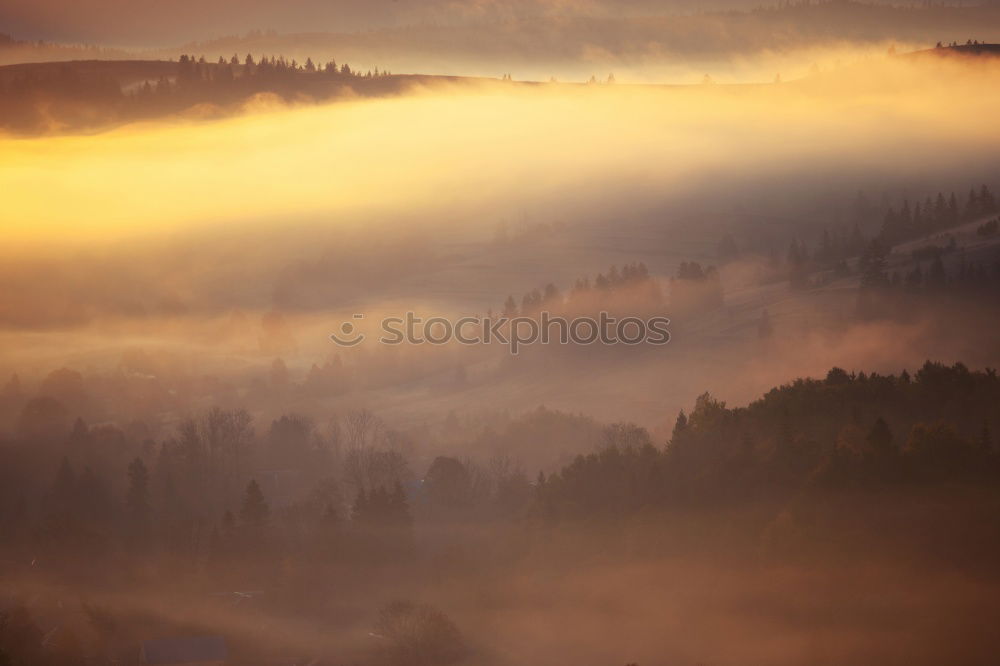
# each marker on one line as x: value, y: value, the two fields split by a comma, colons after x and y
x: 187, y: 458
x: 448, y: 198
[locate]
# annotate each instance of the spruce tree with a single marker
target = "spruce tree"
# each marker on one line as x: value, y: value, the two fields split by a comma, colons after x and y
x: 255, y: 509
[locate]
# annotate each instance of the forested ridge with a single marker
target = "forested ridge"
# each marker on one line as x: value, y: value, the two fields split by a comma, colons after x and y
x: 845, y: 431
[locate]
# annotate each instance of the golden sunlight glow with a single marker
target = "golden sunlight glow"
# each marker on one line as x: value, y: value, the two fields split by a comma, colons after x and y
x: 448, y: 146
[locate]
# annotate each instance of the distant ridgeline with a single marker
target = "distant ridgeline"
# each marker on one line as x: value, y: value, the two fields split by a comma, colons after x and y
x: 22, y: 50
x: 67, y: 92
x: 60, y: 96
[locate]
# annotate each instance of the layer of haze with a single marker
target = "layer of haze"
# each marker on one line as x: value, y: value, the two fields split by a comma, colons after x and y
x: 138, y: 23
x: 669, y: 41
x: 464, y: 148
x: 152, y: 235
x: 154, y: 271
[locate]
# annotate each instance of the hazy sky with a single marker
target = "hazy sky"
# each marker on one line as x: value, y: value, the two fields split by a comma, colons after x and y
x: 152, y: 22
x: 138, y: 21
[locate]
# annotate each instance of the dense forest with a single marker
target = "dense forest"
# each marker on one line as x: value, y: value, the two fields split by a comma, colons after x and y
x: 845, y: 431
x: 224, y: 503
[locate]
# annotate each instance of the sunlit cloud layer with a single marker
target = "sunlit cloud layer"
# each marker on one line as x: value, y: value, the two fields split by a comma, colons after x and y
x: 462, y: 146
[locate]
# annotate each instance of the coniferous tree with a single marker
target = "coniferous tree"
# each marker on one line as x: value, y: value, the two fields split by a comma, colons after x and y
x: 873, y: 265
x: 879, y: 441
x: 255, y: 509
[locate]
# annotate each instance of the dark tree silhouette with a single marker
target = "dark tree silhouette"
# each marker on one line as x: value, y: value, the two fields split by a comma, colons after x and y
x: 255, y: 510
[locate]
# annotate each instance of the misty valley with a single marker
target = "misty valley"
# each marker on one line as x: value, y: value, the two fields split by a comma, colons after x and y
x: 649, y: 333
